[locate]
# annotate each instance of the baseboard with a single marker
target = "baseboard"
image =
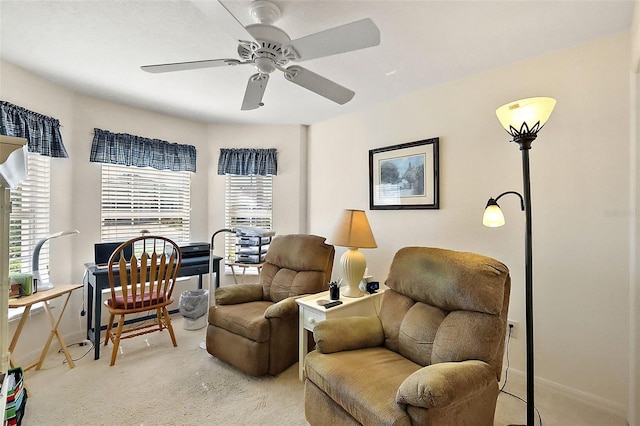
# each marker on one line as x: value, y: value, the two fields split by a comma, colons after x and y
x: 518, y: 379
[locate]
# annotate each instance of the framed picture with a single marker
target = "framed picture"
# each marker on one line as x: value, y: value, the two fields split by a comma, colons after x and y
x: 404, y: 176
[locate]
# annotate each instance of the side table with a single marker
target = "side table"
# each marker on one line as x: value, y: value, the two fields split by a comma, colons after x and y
x: 310, y: 313
x: 45, y: 296
x: 244, y: 267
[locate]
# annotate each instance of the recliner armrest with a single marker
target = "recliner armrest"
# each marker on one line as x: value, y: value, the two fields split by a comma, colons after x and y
x: 284, y: 308
x: 442, y: 384
x: 238, y: 293
x: 347, y: 334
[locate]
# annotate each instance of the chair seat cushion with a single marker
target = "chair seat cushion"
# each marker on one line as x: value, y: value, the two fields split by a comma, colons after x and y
x: 244, y: 319
x: 141, y: 300
x: 363, y: 382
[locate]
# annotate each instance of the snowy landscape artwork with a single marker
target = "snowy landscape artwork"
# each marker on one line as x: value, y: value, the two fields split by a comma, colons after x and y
x: 404, y: 176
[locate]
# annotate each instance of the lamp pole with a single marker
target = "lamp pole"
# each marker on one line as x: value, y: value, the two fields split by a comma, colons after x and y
x: 523, y: 119
x: 525, y: 146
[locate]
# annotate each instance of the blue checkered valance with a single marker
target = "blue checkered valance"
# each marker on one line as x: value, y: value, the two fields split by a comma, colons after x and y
x: 41, y: 132
x: 246, y: 161
x: 130, y: 150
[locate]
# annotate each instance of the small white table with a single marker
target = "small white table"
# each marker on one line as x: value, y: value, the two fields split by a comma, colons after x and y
x: 311, y: 313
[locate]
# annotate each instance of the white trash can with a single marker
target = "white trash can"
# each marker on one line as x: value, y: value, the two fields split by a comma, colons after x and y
x: 194, y: 305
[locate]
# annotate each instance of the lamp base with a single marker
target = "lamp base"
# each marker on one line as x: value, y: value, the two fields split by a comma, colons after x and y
x: 348, y: 292
x: 353, y: 266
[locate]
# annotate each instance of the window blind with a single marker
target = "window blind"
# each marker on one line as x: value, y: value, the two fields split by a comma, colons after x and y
x: 248, y: 202
x: 135, y: 199
x: 29, y: 219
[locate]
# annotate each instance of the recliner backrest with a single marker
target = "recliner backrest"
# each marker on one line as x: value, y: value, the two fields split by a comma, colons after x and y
x: 445, y: 305
x: 286, y: 273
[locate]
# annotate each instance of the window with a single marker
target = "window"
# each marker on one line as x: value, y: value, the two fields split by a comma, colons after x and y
x: 29, y: 219
x: 136, y: 198
x: 248, y: 202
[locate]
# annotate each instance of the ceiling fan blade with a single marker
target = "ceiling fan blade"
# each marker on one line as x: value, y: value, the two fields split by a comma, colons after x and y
x: 220, y: 15
x: 345, y: 38
x: 255, y: 89
x: 318, y: 84
x: 191, y: 65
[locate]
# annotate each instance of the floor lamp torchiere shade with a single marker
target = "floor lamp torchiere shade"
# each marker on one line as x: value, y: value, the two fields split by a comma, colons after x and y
x: 523, y: 120
x: 353, y: 231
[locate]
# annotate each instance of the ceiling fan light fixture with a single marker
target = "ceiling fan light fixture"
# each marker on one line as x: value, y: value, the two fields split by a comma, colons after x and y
x: 265, y: 65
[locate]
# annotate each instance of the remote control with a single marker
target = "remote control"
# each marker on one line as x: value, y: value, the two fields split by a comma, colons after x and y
x: 332, y: 304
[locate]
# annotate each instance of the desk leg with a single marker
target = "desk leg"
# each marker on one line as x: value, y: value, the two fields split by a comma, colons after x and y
x: 303, y: 341
x: 54, y: 332
x: 90, y: 289
x: 16, y: 335
x: 97, y: 314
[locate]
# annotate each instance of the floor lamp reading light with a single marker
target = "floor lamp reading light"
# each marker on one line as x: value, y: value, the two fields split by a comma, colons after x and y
x: 523, y: 120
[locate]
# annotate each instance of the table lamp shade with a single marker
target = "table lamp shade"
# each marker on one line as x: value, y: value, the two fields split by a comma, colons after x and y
x: 353, y: 230
x: 526, y: 116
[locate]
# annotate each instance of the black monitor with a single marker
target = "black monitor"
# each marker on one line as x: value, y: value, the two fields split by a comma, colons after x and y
x: 103, y: 251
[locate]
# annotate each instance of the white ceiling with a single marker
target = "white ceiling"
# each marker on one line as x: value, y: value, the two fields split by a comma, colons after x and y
x: 97, y: 48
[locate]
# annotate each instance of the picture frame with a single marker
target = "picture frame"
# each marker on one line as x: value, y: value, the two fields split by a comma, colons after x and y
x: 405, y: 176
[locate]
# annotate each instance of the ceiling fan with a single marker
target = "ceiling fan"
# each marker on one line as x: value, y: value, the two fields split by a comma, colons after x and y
x: 268, y: 48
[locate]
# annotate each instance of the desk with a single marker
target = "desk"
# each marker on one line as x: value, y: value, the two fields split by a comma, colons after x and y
x: 98, y: 280
x: 43, y: 296
x: 244, y: 267
x: 311, y: 313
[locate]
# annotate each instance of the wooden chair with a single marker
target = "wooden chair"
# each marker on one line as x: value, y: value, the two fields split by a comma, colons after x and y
x: 148, y: 283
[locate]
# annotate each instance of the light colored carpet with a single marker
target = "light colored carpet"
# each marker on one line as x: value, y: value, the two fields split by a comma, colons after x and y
x: 154, y: 383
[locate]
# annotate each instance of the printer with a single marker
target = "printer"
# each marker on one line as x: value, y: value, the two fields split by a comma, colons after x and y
x: 195, y: 250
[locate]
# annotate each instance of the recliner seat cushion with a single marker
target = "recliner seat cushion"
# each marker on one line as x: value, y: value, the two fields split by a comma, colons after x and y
x: 245, y: 319
x: 363, y: 382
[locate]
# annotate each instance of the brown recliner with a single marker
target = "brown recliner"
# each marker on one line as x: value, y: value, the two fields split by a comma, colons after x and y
x: 432, y: 357
x: 254, y: 327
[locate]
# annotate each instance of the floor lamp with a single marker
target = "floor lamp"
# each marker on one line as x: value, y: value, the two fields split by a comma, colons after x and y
x: 203, y: 344
x: 523, y: 120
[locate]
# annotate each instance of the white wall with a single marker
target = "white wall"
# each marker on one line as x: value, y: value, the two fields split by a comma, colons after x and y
x: 75, y: 182
x: 580, y: 186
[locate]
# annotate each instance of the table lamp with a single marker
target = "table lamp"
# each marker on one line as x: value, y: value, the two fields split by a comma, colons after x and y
x: 41, y: 284
x: 353, y: 231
